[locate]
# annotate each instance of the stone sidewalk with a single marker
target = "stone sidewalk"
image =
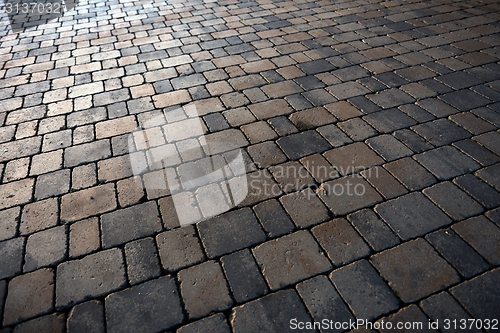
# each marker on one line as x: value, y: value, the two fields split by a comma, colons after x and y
x: 369, y: 133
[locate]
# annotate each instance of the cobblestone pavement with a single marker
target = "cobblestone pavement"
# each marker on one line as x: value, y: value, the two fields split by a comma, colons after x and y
x: 388, y: 110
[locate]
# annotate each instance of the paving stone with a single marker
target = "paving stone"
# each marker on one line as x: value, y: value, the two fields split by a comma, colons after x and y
x: 48, y: 323
x: 410, y: 173
x: 490, y: 141
x: 29, y: 295
x: 88, y: 152
x: 388, y: 147
x: 204, y: 289
x: 343, y: 110
x: 480, y: 191
x: 266, y: 154
x: 390, y: 98
x: 284, y: 264
x: 87, y: 317
x: 357, y: 129
x: 457, y: 252
x: 157, y: 300
x: 84, y: 237
x: 305, y: 208
x: 490, y: 175
x: 95, y: 275
x: 442, y: 306
x: 16, y: 193
x: 364, y: 291
x: 323, y: 301
x: 347, y: 90
x: 45, y: 248
x: 414, y: 276
x: 291, y: 176
x: 387, y: 121
x: 477, y: 151
x: 273, y: 218
x: 340, y: 241
x: 412, y: 215
x: 311, y: 118
x: 243, y: 275
x: 352, y: 158
x: 11, y: 257
x: 142, y: 261
x: 412, y: 317
x: 415, y: 73
x: 319, y: 168
x: 471, y: 123
x: 129, y: 224
x: 9, y: 221
x: 213, y: 324
x: 480, y: 295
x: 275, y: 312
x: 319, y: 97
x: 446, y: 162
x: 334, y: 135
x: 482, y: 235
x: 375, y: 232
x: 82, y: 204
x: 270, y: 109
x: 230, y: 232
x: 316, y: 66
x: 441, y: 132
x: 464, y: 100
x: 38, y: 216
x: 258, y: 131
x: 52, y: 184
x: 437, y: 107
x: 302, y: 144
x: 179, y: 248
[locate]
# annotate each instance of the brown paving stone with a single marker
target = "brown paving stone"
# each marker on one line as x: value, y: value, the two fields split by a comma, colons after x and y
x: 84, y: 237
x: 88, y: 202
x: 38, y: 216
x: 414, y: 270
x: 16, y: 193
x: 179, y: 248
x: 311, y: 118
x: 270, y: 109
x: 352, y: 158
x: 304, y: 208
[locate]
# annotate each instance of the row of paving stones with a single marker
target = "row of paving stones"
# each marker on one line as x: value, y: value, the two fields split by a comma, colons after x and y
x: 337, y: 80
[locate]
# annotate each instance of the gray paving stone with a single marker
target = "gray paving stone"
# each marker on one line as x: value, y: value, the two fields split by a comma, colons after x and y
x: 364, y: 291
x: 157, y: 300
x: 457, y: 252
x: 477, y: 151
x: 213, y: 324
x: 204, y: 289
x: 388, y: 147
x: 334, y: 135
x: 315, y: 67
x: 464, y: 100
x: 453, y: 201
x: 410, y: 173
x: 375, y: 232
x: 340, y: 241
x: 48, y: 323
x: 9, y: 220
x: 446, y: 162
x: 179, y: 248
x: 412, y: 140
x: 282, y: 125
x: 88, y: 152
x: 11, y: 257
x: 128, y: 224
x: 416, y: 112
x: 352, y: 158
x: 45, y: 248
x: 441, y: 132
x: 482, y: 235
x: 142, y: 261
x: 38, y: 215
x: 324, y: 302
x: 412, y: 215
x: 437, y: 107
x: 490, y: 141
x: 390, y: 98
x: 230, y: 232
x: 302, y: 144
x: 412, y: 315
x: 273, y: 218
x: 304, y: 208
x: 357, y: 129
x: 284, y: 264
x: 389, y: 120
x: 95, y: 275
x: 319, y: 97
x: 480, y: 191
x: 347, y: 90
x: 52, y: 184
x: 490, y: 175
x: 266, y: 154
x: 414, y: 277
x: 471, y: 123
x: 243, y: 275
x: 441, y: 307
x: 274, y: 312
x: 383, y: 182
x: 87, y: 317
x: 29, y: 295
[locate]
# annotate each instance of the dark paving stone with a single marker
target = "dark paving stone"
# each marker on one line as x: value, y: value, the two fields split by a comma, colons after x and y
x: 266, y: 154
x: 478, y: 152
x: 323, y: 301
x: 273, y: 218
x: 363, y: 289
x: 282, y: 125
x: 412, y: 215
x: 411, y: 276
x: 483, y: 235
x: 215, y: 122
x: 334, y: 135
x: 204, y: 289
x: 472, y: 123
x: 490, y: 140
x: 480, y: 191
x: 230, y: 232
x: 87, y: 317
x: 319, y: 97
x: 446, y: 162
x: 243, y: 275
x: 453, y: 201
x: 383, y: 182
x: 442, y: 307
x: 305, y: 208
x: 376, y: 233
x: 213, y: 324
x: 357, y: 129
x: 179, y: 248
x: 464, y: 100
x: 352, y: 158
x: 364, y: 104
x: 457, y: 252
x: 415, y: 73
x: 298, y: 102
x: 316, y: 66
x: 142, y: 261
x: 340, y: 241
x: 53, y: 323
x: 390, y: 98
x: 491, y: 175
x: 274, y: 312
x: 416, y: 113
x: 11, y: 257
x: 389, y: 147
x: 410, y: 173
x: 494, y: 215
x: 410, y: 314
x: 481, y: 295
x: 459, y: 80
x: 130, y: 223
x: 414, y: 141
x: 386, y: 121
x: 290, y: 259
x: 309, y: 82
x: 157, y: 300
x: 302, y: 144
x: 391, y: 80
x: 441, y: 132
